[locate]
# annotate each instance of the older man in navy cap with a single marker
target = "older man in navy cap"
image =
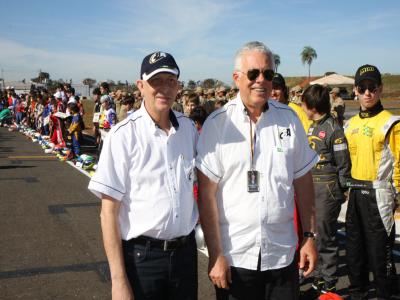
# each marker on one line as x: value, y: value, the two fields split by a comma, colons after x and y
x: 145, y: 180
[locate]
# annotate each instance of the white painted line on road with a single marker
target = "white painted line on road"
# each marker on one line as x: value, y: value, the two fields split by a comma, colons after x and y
x: 79, y: 169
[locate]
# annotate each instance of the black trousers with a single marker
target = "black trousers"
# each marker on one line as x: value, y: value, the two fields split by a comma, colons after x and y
x: 157, y: 274
x: 368, y: 247
x: 328, y: 199
x: 276, y: 284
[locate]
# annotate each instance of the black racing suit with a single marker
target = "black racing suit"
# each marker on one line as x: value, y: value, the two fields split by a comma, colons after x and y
x: 330, y: 174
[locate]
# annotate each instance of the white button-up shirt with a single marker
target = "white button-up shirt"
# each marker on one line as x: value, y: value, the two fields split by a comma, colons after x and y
x: 253, y: 223
x: 152, y: 174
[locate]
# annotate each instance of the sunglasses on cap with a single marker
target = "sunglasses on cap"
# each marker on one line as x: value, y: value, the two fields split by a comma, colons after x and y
x: 372, y: 88
x: 253, y: 74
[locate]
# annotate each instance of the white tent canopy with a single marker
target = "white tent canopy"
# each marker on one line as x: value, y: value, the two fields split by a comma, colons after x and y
x: 333, y: 79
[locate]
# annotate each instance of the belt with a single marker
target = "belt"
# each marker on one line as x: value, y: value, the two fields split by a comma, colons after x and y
x: 166, y: 245
x: 324, y: 177
x: 365, y: 184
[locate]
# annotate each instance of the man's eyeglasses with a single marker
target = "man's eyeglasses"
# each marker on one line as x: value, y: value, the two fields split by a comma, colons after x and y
x: 253, y: 74
x: 372, y: 88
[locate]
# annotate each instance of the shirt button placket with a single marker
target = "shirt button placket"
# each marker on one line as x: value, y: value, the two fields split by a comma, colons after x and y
x: 173, y: 181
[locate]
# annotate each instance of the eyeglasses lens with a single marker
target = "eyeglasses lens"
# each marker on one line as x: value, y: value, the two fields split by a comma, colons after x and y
x: 254, y: 73
x: 372, y: 88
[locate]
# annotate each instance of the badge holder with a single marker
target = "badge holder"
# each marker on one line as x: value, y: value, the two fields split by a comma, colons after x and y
x: 253, y: 181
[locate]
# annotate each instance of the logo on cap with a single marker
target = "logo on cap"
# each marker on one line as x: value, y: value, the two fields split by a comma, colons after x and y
x: 156, y: 57
x: 367, y: 69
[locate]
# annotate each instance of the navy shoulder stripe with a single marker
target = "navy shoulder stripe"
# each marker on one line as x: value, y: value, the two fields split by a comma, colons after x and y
x: 130, y: 120
x: 223, y: 110
x: 282, y: 106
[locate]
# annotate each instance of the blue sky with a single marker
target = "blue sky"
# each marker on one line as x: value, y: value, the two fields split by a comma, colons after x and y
x: 108, y: 39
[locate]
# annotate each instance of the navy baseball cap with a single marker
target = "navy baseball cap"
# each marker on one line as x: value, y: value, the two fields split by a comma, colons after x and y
x: 158, y: 62
x: 368, y: 72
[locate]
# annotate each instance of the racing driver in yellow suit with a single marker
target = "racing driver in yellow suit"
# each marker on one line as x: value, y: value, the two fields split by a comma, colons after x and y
x: 373, y: 137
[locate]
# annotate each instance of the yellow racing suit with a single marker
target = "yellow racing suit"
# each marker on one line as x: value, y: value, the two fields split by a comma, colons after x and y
x: 374, y: 146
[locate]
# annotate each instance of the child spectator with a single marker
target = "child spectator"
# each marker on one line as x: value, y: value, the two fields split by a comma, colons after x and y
x: 75, y: 129
x: 126, y: 107
x: 96, y: 114
x: 19, y: 111
x: 198, y: 115
x: 192, y: 101
x: 109, y: 117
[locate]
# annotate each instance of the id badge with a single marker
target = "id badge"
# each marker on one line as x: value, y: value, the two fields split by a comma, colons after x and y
x: 252, y: 181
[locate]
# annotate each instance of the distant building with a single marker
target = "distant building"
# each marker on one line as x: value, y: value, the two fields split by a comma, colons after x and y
x: 82, y: 90
x: 21, y: 87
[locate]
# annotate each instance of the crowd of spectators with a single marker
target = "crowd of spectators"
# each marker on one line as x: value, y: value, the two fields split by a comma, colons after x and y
x: 56, y: 116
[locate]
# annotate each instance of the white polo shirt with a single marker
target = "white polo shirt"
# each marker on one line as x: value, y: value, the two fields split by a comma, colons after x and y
x: 152, y: 174
x: 250, y: 222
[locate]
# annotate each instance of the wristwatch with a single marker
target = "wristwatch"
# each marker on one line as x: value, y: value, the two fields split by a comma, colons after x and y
x: 309, y: 234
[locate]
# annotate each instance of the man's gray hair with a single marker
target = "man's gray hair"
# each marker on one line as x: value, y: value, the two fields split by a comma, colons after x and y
x: 253, y: 46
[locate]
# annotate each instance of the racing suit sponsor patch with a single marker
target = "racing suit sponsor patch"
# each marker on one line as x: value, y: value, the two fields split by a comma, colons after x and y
x: 339, y: 147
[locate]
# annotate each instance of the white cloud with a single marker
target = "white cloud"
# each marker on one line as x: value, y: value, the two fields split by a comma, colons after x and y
x: 165, y: 23
x: 24, y: 62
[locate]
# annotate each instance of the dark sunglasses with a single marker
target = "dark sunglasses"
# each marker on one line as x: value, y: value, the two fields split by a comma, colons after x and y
x: 372, y: 88
x: 253, y: 74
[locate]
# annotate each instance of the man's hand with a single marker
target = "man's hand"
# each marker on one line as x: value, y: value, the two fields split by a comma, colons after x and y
x: 308, y: 256
x: 220, y: 272
x: 121, y: 290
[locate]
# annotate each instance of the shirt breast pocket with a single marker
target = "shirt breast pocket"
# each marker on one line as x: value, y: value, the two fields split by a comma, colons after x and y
x: 282, y: 164
x: 280, y: 204
x: 186, y: 174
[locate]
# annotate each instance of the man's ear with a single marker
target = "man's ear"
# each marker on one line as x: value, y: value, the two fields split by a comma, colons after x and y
x: 355, y: 91
x: 139, y: 84
x: 235, y: 77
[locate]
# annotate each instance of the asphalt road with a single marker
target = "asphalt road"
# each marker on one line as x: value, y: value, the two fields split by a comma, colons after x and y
x: 50, y: 245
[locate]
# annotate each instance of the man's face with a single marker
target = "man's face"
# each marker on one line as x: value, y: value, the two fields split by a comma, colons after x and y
x: 159, y: 92
x: 118, y: 95
x: 368, y: 93
x: 190, y: 106
x: 277, y: 94
x: 254, y: 93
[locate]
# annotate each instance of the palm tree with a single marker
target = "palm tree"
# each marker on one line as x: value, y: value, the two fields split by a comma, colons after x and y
x: 277, y: 60
x: 307, y: 56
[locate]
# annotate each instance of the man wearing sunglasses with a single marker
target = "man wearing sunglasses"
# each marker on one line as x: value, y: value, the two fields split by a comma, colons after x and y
x: 374, y: 142
x: 252, y: 154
